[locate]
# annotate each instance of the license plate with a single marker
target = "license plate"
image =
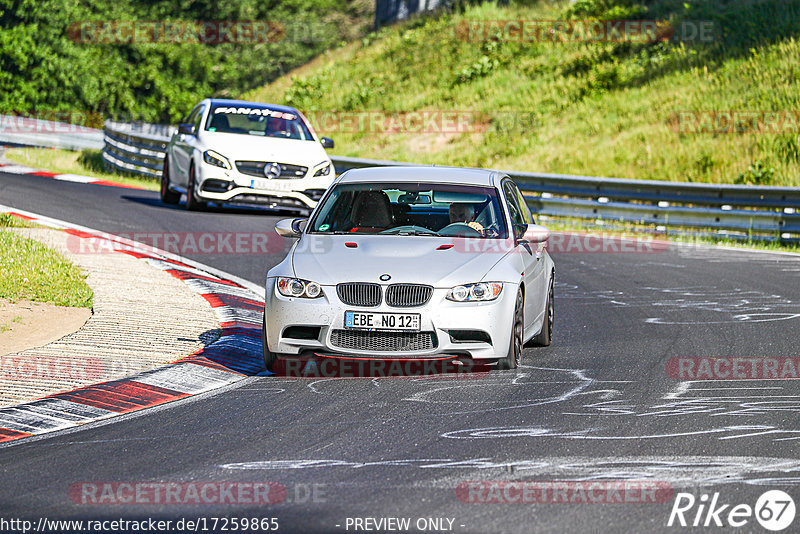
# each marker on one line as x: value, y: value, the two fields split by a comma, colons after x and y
x: 269, y: 185
x: 382, y: 321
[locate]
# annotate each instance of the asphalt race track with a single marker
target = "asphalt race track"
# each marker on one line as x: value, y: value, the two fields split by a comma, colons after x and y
x: 598, y: 405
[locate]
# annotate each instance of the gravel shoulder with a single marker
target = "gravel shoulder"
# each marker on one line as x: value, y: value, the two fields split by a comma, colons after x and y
x: 142, y: 318
x: 25, y: 324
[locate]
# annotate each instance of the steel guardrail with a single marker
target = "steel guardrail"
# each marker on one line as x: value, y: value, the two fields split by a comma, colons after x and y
x: 18, y: 130
x: 138, y: 148
x: 764, y: 212
x: 761, y: 211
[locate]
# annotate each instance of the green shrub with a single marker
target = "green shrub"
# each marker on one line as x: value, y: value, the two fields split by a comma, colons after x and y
x: 756, y: 174
x: 92, y: 160
x: 43, y: 69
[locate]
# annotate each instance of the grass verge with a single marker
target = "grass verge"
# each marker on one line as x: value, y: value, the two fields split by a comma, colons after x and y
x: 646, y: 232
x: 35, y: 272
x: 588, y: 108
x: 88, y: 162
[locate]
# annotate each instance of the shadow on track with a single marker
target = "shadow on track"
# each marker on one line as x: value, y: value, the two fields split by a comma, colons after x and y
x: 213, y: 208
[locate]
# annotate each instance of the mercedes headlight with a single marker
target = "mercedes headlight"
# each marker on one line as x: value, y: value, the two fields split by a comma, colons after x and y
x: 216, y: 159
x: 295, y: 287
x: 479, y: 292
x: 323, y: 171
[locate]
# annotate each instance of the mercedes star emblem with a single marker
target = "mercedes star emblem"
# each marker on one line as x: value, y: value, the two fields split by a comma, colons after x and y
x: 272, y: 170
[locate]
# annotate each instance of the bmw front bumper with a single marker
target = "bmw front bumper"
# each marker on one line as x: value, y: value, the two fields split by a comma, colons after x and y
x: 480, y: 330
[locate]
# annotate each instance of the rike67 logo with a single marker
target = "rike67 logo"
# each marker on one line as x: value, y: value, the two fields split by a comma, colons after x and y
x: 774, y: 510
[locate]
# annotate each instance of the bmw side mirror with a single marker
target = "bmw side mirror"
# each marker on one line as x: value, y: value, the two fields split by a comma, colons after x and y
x: 326, y: 142
x: 186, y: 129
x: 535, y: 233
x: 291, y: 227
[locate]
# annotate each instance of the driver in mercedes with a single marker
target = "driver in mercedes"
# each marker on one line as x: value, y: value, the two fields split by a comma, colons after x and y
x: 462, y: 212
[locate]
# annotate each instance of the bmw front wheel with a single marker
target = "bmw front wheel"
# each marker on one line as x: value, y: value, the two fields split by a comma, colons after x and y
x: 514, y: 357
x: 269, y: 357
x: 545, y: 337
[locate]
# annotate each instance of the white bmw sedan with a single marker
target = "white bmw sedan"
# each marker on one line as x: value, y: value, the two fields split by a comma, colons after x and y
x: 237, y: 152
x: 412, y: 263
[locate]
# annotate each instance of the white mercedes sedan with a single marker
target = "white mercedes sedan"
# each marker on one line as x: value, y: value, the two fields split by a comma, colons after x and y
x: 237, y: 152
x: 412, y: 263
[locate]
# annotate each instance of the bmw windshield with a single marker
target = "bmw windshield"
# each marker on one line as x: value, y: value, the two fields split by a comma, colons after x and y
x: 257, y: 120
x: 423, y: 209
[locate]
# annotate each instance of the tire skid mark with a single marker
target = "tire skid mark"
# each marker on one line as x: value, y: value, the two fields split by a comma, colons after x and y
x: 698, y: 407
x: 678, y: 470
x: 683, y: 305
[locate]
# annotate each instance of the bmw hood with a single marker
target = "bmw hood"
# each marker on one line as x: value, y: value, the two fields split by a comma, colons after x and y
x: 439, y: 262
x: 256, y: 148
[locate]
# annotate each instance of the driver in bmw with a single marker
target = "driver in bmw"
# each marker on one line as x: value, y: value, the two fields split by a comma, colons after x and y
x: 462, y: 212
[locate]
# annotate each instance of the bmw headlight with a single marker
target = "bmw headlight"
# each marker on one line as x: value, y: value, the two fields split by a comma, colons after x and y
x: 295, y: 287
x: 479, y: 292
x: 323, y: 171
x: 216, y: 159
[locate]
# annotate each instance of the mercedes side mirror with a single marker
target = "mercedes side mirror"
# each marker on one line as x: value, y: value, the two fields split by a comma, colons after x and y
x: 326, y: 142
x: 186, y: 129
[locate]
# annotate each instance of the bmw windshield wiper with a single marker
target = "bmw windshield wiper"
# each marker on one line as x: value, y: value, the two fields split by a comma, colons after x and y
x: 416, y: 232
x: 404, y: 232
